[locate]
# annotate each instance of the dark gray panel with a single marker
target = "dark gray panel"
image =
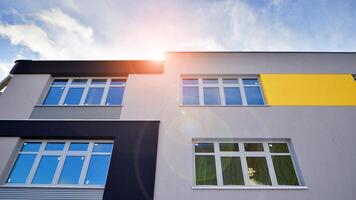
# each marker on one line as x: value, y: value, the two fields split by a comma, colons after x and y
x: 76, y: 112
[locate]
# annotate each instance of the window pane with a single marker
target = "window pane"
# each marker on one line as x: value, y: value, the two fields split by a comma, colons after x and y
x: 190, y: 81
x: 71, y: 170
x: 45, y: 170
x: 254, y: 96
x: 250, y: 81
x: 102, y: 147
x: 204, y: 147
x: 118, y: 81
x: 232, y: 171
x: 211, y: 96
x: 210, y: 81
x: 74, y: 95
x: 232, y: 96
x: 31, y: 146
x: 115, y: 96
x: 98, y: 169
x: 54, y: 146
x: 79, y: 81
x: 258, y: 171
x: 205, y: 171
x: 253, y: 146
x: 278, y: 147
x: 53, y: 96
x: 94, y: 96
x: 190, y: 96
x: 229, y: 147
x: 78, y: 147
x: 284, y: 169
x: 230, y: 81
x: 60, y: 81
x: 98, y: 81
x: 22, y: 168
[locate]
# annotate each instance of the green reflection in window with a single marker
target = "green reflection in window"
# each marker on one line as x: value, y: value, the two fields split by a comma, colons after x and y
x: 205, y: 171
x: 258, y: 171
x: 232, y: 171
x: 284, y: 169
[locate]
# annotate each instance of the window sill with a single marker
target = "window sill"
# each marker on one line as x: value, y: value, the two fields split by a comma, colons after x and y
x: 224, y: 105
x: 250, y: 188
x: 78, y: 106
x: 52, y: 186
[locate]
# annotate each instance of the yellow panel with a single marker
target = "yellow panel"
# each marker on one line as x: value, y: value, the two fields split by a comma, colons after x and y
x: 309, y: 89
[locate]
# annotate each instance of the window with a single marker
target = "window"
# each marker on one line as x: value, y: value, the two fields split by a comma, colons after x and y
x: 222, y: 91
x: 86, y: 91
x: 62, y: 163
x: 244, y: 163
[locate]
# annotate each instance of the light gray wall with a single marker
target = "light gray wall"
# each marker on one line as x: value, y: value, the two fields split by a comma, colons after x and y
x: 8, y: 151
x: 76, y: 112
x: 258, y: 63
x: 323, y: 137
x: 21, y: 95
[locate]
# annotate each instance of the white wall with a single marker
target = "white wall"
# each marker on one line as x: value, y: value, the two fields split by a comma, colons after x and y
x: 21, y: 95
x: 323, y: 137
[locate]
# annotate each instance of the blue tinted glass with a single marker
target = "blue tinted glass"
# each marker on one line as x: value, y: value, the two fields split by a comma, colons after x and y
x: 115, y: 96
x: 232, y: 96
x: 54, y: 146
x: 78, y: 147
x: 211, y: 96
x: 98, y: 169
x: 254, y: 96
x: 98, y: 81
x: 190, y: 81
x: 250, y: 81
x: 102, y: 147
x: 31, y: 146
x: 118, y: 81
x: 230, y: 81
x: 60, y: 82
x: 74, y: 95
x: 22, y: 168
x: 190, y: 96
x: 45, y: 170
x: 71, y: 170
x: 210, y: 81
x: 53, y: 96
x: 94, y: 96
x: 79, y: 81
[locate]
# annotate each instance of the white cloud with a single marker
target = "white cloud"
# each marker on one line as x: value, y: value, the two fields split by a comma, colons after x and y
x: 30, y: 36
x: 4, y: 69
x: 124, y: 30
x: 56, y: 18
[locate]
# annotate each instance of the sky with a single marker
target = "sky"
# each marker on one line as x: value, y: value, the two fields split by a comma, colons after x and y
x: 127, y: 29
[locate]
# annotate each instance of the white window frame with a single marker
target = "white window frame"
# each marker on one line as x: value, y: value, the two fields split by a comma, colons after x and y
x: 63, y: 154
x: 220, y: 85
x: 86, y: 87
x: 242, y: 154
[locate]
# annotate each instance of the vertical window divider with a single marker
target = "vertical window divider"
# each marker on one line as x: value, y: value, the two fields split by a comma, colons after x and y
x: 242, y: 92
x: 270, y: 164
x: 219, y: 177
x: 36, y: 163
x: 221, y: 91
x: 296, y: 169
x: 201, y: 92
x: 65, y: 92
x: 60, y: 165
x: 85, y: 92
x: 106, y: 91
x: 86, y: 164
x: 244, y: 163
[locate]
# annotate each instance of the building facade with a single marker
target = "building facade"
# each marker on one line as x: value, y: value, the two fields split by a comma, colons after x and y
x: 200, y: 125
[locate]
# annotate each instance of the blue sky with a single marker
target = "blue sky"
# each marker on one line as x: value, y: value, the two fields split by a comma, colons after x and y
x: 115, y: 29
